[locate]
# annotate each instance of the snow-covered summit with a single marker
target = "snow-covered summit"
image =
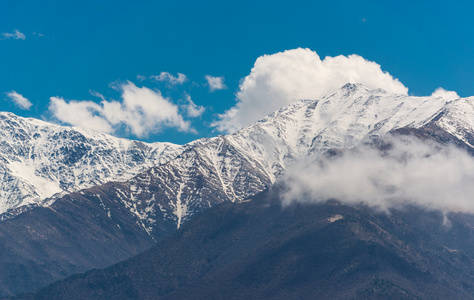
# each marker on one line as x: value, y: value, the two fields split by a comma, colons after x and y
x: 39, y: 159
x: 339, y: 120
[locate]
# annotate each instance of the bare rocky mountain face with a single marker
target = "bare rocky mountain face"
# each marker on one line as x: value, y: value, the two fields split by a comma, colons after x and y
x: 185, y: 181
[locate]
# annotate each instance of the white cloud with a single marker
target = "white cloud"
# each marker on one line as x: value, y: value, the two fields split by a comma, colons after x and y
x: 192, y: 109
x: 19, y: 100
x: 170, y: 79
x: 442, y: 93
x: 141, y: 77
x: 17, y: 35
x: 411, y: 172
x: 84, y: 114
x: 282, y: 78
x: 142, y: 111
x: 215, y: 83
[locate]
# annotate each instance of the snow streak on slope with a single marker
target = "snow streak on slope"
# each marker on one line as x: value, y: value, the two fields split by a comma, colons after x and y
x: 207, y: 173
x: 39, y: 160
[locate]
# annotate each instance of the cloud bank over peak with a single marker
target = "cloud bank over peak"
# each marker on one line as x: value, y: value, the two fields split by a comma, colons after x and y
x: 141, y: 112
x: 411, y: 171
x: 279, y: 79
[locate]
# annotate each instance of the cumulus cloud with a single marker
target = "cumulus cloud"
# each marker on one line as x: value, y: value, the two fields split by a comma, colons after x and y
x: 282, y: 78
x: 442, y: 93
x: 411, y: 171
x: 192, y: 109
x: 16, y: 34
x: 142, y: 111
x: 19, y: 100
x: 170, y: 79
x: 215, y: 83
x: 84, y: 114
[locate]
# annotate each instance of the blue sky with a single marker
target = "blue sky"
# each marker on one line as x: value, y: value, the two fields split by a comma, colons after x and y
x: 76, y: 50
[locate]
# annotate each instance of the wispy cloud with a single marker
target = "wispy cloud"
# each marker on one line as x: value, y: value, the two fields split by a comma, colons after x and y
x: 215, y: 83
x: 17, y: 35
x: 192, y: 109
x: 141, y: 78
x: 141, y: 111
x: 282, y: 78
x: 410, y: 171
x: 19, y: 100
x: 170, y: 79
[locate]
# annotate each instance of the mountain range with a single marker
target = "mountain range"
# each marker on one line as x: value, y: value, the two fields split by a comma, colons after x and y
x: 75, y: 200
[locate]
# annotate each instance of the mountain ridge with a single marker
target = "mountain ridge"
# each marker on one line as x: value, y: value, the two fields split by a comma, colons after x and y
x: 40, y: 160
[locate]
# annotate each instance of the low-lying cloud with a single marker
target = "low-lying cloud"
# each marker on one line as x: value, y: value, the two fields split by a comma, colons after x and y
x: 410, y: 172
x: 142, y: 111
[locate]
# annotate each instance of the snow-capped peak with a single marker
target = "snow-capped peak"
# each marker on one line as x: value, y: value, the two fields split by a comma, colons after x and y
x: 340, y: 120
x: 39, y: 159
